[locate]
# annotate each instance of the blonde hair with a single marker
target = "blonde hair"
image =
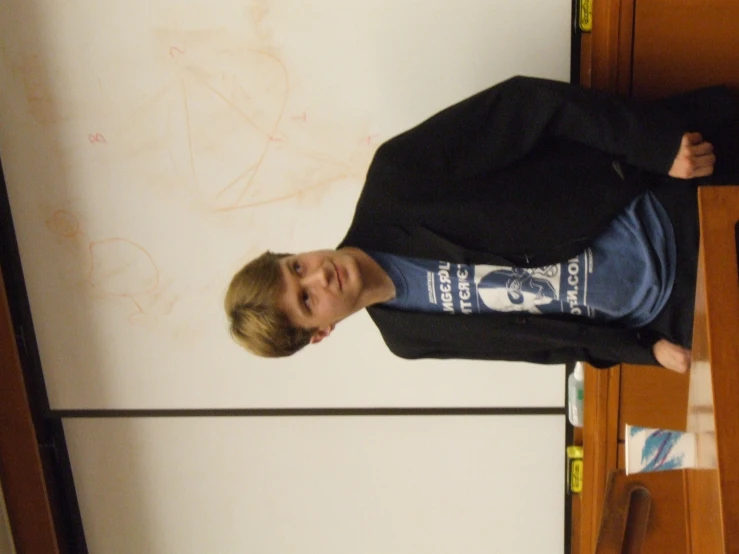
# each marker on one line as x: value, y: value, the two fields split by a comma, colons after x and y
x: 256, y: 322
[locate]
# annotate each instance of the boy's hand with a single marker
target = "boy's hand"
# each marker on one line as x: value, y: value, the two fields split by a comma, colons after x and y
x: 694, y: 159
x: 671, y: 355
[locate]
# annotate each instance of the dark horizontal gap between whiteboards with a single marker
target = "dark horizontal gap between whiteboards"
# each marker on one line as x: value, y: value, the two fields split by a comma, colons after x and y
x: 306, y: 412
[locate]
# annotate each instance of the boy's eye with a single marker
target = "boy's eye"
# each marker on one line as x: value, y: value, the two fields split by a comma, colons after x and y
x: 297, y: 268
x: 306, y: 299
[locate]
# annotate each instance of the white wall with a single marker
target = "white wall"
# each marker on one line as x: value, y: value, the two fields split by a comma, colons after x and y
x: 150, y: 147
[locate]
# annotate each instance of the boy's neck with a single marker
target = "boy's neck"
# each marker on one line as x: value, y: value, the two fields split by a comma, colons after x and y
x: 378, y: 286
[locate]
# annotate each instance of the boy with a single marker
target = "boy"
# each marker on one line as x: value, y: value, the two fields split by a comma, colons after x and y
x: 534, y: 221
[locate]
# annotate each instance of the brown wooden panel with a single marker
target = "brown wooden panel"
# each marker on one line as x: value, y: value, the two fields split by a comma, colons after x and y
x: 576, y: 526
x: 704, y: 508
x: 604, y: 45
x: 625, y: 41
x: 684, y: 44
x: 717, y: 301
x: 600, y: 444
x: 666, y: 528
x: 605, y: 56
x: 21, y: 471
x: 704, y: 498
x: 586, y: 57
x: 668, y: 522
x: 653, y: 397
x: 577, y: 436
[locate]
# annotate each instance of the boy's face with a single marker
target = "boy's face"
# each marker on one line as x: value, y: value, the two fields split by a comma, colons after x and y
x: 320, y: 288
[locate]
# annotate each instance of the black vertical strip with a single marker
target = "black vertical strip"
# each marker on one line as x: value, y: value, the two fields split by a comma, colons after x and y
x: 64, y: 494
x: 631, y: 47
x: 575, y: 54
x: 575, y: 46
x: 569, y: 434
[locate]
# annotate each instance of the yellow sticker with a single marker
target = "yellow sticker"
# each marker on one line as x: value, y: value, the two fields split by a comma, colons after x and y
x: 586, y: 15
x: 574, y: 452
x: 576, y: 476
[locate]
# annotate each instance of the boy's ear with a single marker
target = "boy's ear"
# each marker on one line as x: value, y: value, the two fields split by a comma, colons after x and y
x: 321, y: 334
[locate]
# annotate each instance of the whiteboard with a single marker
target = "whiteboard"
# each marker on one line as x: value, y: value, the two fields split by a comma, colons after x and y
x: 151, y: 147
x: 396, y: 485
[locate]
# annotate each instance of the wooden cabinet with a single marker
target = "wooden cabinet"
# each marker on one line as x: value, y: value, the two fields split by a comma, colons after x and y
x: 653, y: 48
x: 641, y: 395
x: 652, y: 397
x: 684, y: 44
x: 647, y: 49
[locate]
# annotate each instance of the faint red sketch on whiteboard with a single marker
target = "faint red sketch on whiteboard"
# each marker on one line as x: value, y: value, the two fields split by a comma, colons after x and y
x: 234, y: 133
x: 221, y: 116
x: 117, y: 267
x: 96, y: 137
x: 32, y: 72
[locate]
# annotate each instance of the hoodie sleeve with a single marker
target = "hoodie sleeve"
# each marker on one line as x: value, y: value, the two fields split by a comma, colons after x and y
x: 521, y: 338
x: 502, y: 124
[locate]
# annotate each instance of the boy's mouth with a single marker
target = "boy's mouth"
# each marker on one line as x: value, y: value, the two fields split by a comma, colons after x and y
x: 338, y: 277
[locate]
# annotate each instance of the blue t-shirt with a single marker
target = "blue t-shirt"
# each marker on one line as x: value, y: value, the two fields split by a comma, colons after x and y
x: 626, y: 275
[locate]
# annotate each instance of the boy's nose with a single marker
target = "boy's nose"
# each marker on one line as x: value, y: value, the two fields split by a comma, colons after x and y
x: 317, y: 277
